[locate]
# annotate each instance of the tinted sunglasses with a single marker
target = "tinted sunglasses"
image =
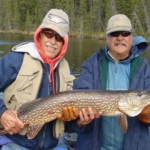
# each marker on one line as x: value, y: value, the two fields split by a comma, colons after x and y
x: 49, y: 34
x: 117, y: 33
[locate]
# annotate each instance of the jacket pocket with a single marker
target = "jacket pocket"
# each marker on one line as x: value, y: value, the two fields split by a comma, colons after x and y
x: 21, y: 90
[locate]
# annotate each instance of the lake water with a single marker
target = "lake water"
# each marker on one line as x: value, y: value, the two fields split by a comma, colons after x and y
x: 78, y: 49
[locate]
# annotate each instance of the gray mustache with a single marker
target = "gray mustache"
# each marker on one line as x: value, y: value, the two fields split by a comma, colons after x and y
x: 120, y: 42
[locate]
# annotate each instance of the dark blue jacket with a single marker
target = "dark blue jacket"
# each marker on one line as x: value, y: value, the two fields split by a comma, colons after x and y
x: 94, y: 76
x: 9, y: 66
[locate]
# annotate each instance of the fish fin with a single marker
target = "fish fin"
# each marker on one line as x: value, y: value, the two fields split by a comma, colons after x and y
x: 33, y: 130
x: 133, y: 112
x: 58, y: 128
x: 123, y: 122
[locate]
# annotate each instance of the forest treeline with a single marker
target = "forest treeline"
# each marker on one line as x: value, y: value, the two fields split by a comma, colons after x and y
x: 87, y: 17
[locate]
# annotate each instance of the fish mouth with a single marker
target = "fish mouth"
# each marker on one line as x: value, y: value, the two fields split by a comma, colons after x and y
x: 132, y: 111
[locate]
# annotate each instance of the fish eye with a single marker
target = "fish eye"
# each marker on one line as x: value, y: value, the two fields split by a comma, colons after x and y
x: 139, y: 94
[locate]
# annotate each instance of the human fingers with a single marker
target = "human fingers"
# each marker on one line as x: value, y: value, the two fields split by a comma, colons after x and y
x: 97, y: 115
x: 83, y: 117
x: 86, y: 116
x: 144, y: 116
x: 76, y: 112
x: 11, y: 122
x: 71, y: 115
x: 64, y: 116
x: 92, y: 115
x: 66, y: 113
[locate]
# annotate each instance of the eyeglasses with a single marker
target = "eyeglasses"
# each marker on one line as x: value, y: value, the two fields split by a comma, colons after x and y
x: 117, y: 33
x: 49, y: 34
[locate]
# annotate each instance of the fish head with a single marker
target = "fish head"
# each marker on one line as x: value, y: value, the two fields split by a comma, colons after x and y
x: 132, y: 103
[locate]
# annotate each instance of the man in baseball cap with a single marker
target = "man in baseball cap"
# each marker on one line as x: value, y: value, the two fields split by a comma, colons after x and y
x: 119, y: 36
x: 117, y: 66
x: 41, y: 70
x: 57, y: 20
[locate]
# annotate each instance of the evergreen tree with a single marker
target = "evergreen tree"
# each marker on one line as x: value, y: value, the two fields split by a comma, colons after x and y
x: 15, y: 15
x: 28, y: 22
x: 96, y: 20
x: 22, y: 8
x: 1, y: 14
x: 7, y: 15
x: 125, y: 7
x: 86, y: 16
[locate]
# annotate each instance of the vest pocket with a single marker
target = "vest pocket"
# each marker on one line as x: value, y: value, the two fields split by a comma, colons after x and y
x: 22, y: 90
x: 26, y: 86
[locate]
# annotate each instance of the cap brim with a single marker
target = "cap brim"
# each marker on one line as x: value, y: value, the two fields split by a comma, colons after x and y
x: 119, y: 29
x: 53, y: 27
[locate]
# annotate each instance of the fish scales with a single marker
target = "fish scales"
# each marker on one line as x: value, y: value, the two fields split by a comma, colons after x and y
x: 111, y: 103
x: 105, y: 101
x: 51, y: 106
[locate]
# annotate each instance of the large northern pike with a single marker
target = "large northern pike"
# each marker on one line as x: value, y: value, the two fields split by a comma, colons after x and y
x: 110, y: 103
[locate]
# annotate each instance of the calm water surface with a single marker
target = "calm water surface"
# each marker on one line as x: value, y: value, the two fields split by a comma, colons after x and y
x: 78, y: 49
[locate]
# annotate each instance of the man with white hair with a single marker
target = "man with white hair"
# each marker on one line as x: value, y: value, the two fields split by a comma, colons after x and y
x: 118, y: 66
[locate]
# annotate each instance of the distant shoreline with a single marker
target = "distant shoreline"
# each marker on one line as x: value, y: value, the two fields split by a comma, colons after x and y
x: 99, y: 36
x: 71, y: 34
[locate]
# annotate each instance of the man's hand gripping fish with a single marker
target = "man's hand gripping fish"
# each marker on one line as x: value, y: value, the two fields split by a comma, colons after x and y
x: 111, y: 103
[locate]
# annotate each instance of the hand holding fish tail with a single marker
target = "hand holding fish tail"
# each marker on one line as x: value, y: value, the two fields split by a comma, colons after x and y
x: 11, y: 122
x: 144, y: 116
x: 68, y: 113
x: 86, y: 116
